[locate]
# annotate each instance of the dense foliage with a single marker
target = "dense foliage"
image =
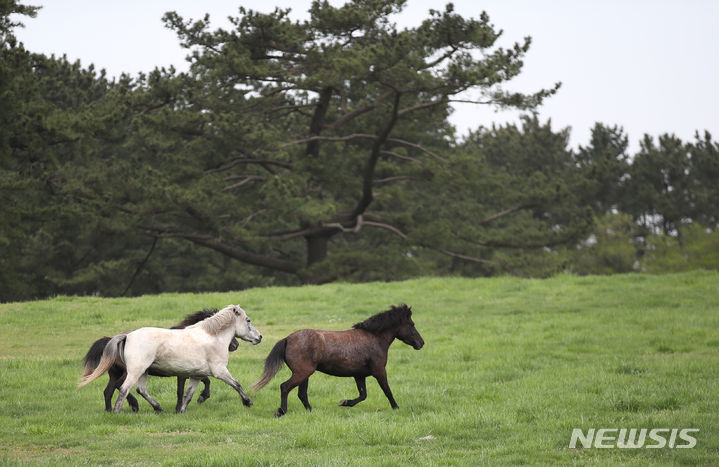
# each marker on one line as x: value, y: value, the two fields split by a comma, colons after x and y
x: 320, y: 150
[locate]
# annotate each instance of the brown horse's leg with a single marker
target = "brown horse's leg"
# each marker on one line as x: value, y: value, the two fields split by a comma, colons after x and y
x: 132, y: 401
x: 362, y: 388
x: 381, y: 377
x: 295, y: 380
x: 180, y: 392
x: 142, y: 390
x: 188, y: 397
x: 205, y: 392
x: 302, y: 394
x: 109, y: 391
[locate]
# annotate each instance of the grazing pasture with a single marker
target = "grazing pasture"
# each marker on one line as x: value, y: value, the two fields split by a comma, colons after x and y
x: 509, y: 368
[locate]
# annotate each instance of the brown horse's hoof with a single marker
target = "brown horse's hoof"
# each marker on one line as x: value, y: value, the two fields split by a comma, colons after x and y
x: 345, y: 403
x: 247, y: 402
x: 279, y: 413
x: 202, y: 399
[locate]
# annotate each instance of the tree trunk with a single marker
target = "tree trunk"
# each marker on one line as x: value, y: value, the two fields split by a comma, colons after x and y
x: 316, y: 248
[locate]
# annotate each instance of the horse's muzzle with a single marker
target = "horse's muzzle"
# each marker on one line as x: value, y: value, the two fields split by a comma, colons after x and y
x: 418, y: 344
x: 252, y: 340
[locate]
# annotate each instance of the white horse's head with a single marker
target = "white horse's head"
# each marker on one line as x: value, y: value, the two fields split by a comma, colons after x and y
x: 243, y: 326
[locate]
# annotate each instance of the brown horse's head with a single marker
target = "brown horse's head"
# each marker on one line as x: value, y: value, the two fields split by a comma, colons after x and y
x: 407, y: 333
x: 398, y: 321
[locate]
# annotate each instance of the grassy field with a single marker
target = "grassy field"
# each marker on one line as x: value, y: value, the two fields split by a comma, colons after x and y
x: 510, y: 367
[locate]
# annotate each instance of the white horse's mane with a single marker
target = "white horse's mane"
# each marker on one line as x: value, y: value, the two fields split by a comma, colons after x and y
x: 220, y: 320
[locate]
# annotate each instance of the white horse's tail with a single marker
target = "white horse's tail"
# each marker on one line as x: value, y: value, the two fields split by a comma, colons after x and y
x: 112, y: 354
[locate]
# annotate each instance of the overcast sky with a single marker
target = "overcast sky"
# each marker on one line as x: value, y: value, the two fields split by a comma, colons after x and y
x: 650, y: 66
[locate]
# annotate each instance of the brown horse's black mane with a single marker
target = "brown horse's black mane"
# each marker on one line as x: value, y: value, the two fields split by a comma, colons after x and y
x: 386, y: 320
x: 195, y: 318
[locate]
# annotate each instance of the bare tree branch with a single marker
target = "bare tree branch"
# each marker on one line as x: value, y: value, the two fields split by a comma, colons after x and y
x: 469, y: 101
x: 246, y: 180
x: 422, y: 106
x: 291, y: 107
x: 217, y: 245
x: 154, y: 107
x: 245, y: 160
x: 391, y: 228
x: 349, y: 116
x: 418, y: 147
x: 459, y: 255
x: 368, y: 175
x: 360, y: 222
x: 248, y: 219
x: 365, y: 136
x: 140, y: 266
x: 400, y: 156
x: 337, y: 225
x: 501, y: 214
x: 290, y: 234
x: 395, y: 179
x: 441, y: 58
x: 330, y: 138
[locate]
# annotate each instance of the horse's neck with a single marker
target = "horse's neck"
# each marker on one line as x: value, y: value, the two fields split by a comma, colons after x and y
x: 386, y: 338
x: 226, y: 335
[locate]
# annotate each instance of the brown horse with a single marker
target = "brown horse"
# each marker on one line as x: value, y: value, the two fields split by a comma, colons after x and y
x: 358, y: 352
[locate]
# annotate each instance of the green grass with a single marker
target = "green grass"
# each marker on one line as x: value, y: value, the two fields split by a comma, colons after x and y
x: 509, y: 368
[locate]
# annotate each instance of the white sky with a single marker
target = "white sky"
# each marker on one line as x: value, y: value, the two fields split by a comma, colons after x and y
x: 650, y: 66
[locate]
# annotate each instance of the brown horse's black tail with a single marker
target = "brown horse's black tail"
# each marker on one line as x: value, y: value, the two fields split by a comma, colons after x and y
x: 273, y: 363
x: 111, y: 354
x: 94, y: 355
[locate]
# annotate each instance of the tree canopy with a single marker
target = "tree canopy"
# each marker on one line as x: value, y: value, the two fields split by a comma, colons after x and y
x: 316, y: 150
x: 287, y: 135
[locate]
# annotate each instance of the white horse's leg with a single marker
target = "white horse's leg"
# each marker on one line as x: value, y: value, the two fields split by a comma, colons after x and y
x: 223, y: 374
x: 130, y: 381
x: 142, y: 390
x: 137, y: 359
x: 191, y: 386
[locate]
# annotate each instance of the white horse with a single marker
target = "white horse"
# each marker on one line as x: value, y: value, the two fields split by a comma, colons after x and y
x: 196, y: 351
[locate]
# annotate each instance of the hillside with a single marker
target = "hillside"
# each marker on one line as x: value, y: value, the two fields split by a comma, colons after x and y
x: 510, y: 367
